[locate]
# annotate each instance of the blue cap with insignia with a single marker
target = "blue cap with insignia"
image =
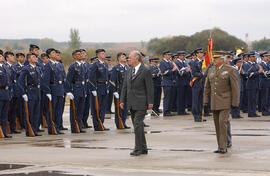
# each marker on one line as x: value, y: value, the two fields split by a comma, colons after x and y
x: 181, y: 52
x: 263, y: 54
x: 235, y: 60
x: 166, y: 52
x: 93, y: 58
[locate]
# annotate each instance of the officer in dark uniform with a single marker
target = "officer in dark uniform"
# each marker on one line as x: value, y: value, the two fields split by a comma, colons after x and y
x: 5, y: 83
x: 9, y: 57
x: 156, y: 75
x: 167, y: 69
x: 252, y: 86
x: 110, y: 94
x: 76, y: 89
x: 116, y: 83
x: 99, y: 86
x: 29, y: 82
x: 174, y: 88
x: 87, y: 67
x: 189, y: 61
x: 244, y: 97
x: 18, y: 102
x: 197, y: 87
x: 264, y: 84
x: 34, y: 49
x: 182, y: 82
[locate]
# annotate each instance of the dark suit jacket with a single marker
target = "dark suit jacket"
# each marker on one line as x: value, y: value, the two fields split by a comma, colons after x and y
x: 139, y: 92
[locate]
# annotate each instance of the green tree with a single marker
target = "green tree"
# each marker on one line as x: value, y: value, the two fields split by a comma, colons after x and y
x: 263, y: 44
x: 74, y: 42
x: 46, y: 43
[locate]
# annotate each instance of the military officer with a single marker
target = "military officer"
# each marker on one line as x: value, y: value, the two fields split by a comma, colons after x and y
x: 76, y: 89
x: 252, y: 84
x: 157, y: 78
x: 222, y: 85
x: 174, y: 87
x: 116, y: 83
x: 244, y: 97
x: 182, y: 82
x: 167, y: 69
x: 110, y: 94
x: 29, y: 82
x: 99, y: 87
x: 197, y: 87
x: 264, y: 84
x: 5, y: 83
x: 34, y: 49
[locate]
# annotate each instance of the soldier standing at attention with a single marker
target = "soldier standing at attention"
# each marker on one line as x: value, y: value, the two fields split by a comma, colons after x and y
x: 5, y: 83
x: 167, y: 69
x: 223, y: 87
x: 76, y: 89
x: 99, y: 86
x: 29, y: 82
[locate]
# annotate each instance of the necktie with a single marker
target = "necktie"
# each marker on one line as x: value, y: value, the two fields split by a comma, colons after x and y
x: 133, y: 74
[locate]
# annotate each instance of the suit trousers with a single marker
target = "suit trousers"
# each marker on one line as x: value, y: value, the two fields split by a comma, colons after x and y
x: 137, y: 117
x: 221, y: 121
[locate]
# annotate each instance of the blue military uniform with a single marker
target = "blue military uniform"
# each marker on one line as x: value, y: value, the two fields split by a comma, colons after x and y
x: 182, y: 83
x: 174, y: 94
x: 5, y: 83
x: 116, y: 83
x: 44, y: 102
x: 244, y: 96
x: 197, y: 89
x: 166, y: 68
x: 157, y: 85
x: 99, y: 82
x: 54, y: 85
x: 76, y: 84
x: 29, y: 82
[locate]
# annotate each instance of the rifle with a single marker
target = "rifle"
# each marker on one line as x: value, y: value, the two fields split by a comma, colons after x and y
x: 1, y: 132
x: 18, y: 126
x: 51, y: 118
x: 77, y: 129
x: 8, y: 127
x: 30, y: 130
x: 100, y: 125
x: 120, y: 123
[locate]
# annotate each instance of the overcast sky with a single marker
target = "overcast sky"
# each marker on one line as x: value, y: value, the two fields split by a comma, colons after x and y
x: 131, y: 20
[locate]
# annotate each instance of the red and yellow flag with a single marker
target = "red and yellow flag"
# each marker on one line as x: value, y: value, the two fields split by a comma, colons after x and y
x: 208, y: 58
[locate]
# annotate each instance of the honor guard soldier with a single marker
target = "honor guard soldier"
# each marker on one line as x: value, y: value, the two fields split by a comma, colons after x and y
x: 110, y: 94
x: 156, y: 75
x: 197, y: 87
x: 167, y: 69
x: 34, y: 49
x: 222, y: 86
x: 29, y: 82
x: 9, y: 57
x: 76, y: 89
x: 174, y: 87
x: 252, y: 75
x: 18, y: 102
x: 54, y: 89
x: 99, y: 87
x: 264, y: 84
x: 116, y: 84
x: 244, y: 97
x: 5, y: 83
x: 87, y: 67
x: 182, y: 83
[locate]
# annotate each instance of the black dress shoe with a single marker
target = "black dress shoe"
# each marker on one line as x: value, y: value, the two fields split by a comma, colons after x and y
x: 207, y: 115
x: 240, y: 117
x: 127, y: 127
x: 255, y: 115
x: 167, y: 115
x: 222, y: 151
x: 217, y: 151
x: 265, y: 114
x: 41, y: 130
x: 106, y: 129
x: 59, y: 132
x: 200, y: 120
x: 136, y: 153
x: 63, y: 128
x: 38, y: 134
x: 82, y: 131
x: 88, y: 126
x: 229, y: 145
x: 15, y: 132
x: 145, y: 125
x: 159, y: 111
x: 7, y: 136
x: 145, y: 152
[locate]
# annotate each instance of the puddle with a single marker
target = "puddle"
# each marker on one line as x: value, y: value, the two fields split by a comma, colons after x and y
x: 255, y: 129
x: 44, y: 173
x: 12, y: 166
x: 149, y: 132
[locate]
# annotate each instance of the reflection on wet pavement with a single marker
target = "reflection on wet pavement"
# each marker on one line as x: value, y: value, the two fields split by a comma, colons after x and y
x: 12, y: 166
x: 42, y: 173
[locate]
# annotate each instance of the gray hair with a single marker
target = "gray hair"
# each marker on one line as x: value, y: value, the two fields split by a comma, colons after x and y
x: 138, y: 55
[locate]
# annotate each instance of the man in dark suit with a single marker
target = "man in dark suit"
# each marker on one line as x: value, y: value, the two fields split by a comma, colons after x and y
x: 138, y: 94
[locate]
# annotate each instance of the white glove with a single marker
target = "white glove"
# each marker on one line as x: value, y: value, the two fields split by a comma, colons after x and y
x: 49, y: 96
x: 70, y: 95
x: 116, y: 95
x: 94, y: 93
x: 25, y: 97
x: 107, y: 91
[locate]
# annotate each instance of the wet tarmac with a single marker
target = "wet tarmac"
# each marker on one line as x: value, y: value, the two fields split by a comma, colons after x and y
x: 177, y: 146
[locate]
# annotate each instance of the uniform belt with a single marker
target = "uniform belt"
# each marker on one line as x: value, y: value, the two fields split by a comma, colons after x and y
x: 79, y: 82
x: 4, y: 87
x: 58, y: 82
x: 102, y: 82
x: 34, y: 85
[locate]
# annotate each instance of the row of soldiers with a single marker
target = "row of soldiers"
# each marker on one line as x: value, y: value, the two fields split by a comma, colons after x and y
x: 36, y: 87
x: 182, y: 78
